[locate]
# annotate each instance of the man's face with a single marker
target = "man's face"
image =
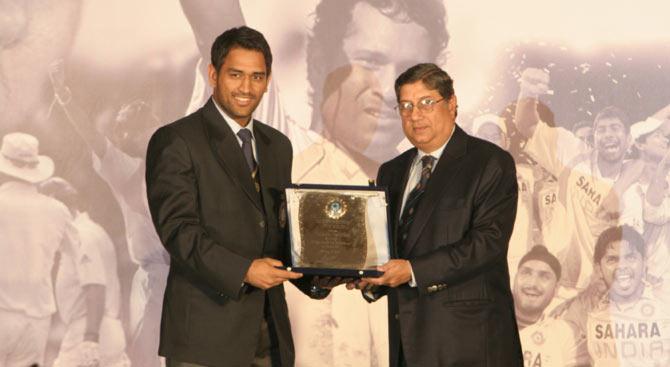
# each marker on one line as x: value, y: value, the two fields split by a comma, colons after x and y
x: 492, y: 133
x: 655, y: 145
x: 359, y: 113
x: 534, y: 286
x: 610, y: 139
x: 240, y: 83
x: 622, y: 269
x: 427, y: 130
x: 585, y: 134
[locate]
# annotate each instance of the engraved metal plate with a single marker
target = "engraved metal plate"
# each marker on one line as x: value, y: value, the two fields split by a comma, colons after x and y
x: 337, y: 230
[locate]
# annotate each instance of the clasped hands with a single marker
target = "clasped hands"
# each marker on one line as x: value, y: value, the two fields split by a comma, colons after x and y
x: 264, y: 274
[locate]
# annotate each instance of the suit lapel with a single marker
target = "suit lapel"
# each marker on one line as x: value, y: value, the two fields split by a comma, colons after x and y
x: 446, y: 170
x: 267, y: 162
x: 404, y: 167
x: 228, y: 152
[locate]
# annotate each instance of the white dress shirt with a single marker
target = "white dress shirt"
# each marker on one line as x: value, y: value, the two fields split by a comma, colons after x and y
x: 237, y: 127
x: 415, y: 177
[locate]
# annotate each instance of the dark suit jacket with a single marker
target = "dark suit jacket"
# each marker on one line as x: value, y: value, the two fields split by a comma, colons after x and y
x: 213, y: 223
x: 461, y: 313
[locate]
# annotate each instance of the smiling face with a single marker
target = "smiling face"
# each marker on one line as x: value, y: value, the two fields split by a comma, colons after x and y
x: 610, y: 139
x: 240, y: 83
x: 359, y: 113
x: 655, y: 145
x: 622, y: 269
x: 427, y: 130
x: 534, y: 287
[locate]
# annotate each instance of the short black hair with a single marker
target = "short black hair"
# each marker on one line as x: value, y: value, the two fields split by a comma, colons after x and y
x: 540, y: 253
x: 431, y: 75
x: 240, y: 37
x: 612, y: 112
x: 614, y: 234
x: 331, y: 24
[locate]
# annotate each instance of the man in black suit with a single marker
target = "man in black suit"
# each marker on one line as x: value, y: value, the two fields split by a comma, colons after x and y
x: 215, y: 181
x: 453, y: 200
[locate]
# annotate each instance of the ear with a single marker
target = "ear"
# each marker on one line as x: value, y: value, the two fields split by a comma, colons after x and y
x: 452, y: 104
x: 212, y: 75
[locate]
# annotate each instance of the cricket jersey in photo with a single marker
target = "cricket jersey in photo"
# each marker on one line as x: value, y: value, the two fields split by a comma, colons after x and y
x: 521, y: 240
x: 548, y: 343
x: 586, y: 190
x: 633, y: 335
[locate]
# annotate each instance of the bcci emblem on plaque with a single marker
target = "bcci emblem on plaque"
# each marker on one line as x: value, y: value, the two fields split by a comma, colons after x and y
x: 336, y: 208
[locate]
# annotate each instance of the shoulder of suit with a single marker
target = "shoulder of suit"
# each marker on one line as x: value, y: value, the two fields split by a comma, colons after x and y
x: 186, y: 126
x: 487, y: 150
x: 272, y: 133
x: 399, y: 159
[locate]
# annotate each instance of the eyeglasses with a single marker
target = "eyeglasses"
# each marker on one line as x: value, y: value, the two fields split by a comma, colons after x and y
x: 425, y: 105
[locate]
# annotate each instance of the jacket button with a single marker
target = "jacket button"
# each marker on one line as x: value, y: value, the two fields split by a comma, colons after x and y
x: 261, y: 224
x: 396, y: 316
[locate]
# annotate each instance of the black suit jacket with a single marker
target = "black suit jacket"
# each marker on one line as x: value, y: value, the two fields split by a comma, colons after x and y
x: 213, y: 223
x: 461, y: 313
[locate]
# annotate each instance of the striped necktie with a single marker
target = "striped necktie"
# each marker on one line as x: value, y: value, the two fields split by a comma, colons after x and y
x: 413, y: 200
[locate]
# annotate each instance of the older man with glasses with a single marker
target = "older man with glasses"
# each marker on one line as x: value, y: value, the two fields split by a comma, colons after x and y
x: 453, y: 201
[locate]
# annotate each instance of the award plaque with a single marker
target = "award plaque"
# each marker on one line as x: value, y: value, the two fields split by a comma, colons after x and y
x: 338, y: 230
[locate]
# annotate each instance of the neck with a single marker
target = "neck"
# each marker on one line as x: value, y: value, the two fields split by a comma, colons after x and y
x: 244, y: 122
x: 609, y: 169
x: 526, y: 319
x: 626, y: 300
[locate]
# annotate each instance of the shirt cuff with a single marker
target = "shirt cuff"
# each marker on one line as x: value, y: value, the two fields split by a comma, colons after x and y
x: 412, y: 282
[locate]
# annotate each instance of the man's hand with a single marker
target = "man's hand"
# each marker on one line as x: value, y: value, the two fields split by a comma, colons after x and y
x: 263, y: 273
x: 359, y: 284
x: 533, y: 83
x: 396, y: 272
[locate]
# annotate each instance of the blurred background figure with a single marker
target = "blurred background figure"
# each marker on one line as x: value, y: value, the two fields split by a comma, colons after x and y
x: 545, y: 340
x: 630, y: 325
x: 120, y: 160
x: 87, y: 290
x: 644, y: 204
x: 34, y: 227
x: 584, y: 131
x: 590, y: 175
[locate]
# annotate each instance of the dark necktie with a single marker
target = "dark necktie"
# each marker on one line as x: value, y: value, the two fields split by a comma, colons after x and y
x: 413, y: 200
x: 247, y: 148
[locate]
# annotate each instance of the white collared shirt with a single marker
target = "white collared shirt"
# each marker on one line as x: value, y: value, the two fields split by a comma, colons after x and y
x: 236, y: 128
x: 415, y: 177
x: 417, y: 167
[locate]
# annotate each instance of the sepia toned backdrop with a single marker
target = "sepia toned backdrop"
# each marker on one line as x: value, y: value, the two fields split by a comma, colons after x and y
x: 578, y: 92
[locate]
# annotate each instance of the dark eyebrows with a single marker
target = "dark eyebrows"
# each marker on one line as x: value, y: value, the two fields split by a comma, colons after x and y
x: 255, y: 73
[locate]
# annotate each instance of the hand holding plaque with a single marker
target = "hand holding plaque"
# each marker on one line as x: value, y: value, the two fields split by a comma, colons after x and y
x: 338, y: 230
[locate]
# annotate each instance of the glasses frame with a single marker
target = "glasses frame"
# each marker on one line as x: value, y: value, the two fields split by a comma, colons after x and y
x: 423, y: 107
